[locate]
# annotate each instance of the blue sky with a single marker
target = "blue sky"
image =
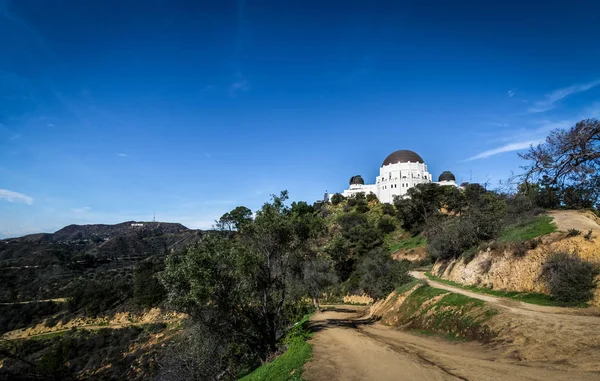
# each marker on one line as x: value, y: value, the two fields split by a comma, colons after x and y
x: 113, y: 111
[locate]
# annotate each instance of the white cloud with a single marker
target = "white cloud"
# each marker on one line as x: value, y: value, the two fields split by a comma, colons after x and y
x: 85, y: 209
x: 511, y: 93
x: 549, y: 102
x: 50, y: 125
x: 238, y: 86
x: 505, y: 148
x: 522, y: 139
x: 122, y: 155
x: 11, y: 196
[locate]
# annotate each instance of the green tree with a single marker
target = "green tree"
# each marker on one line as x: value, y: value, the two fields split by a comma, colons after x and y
x: 380, y: 274
x: 568, y: 160
x: 337, y: 198
x: 422, y: 204
x: 241, y: 286
x: 236, y: 219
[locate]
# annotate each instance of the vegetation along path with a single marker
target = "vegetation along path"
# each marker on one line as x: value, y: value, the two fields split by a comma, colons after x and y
x: 349, y: 346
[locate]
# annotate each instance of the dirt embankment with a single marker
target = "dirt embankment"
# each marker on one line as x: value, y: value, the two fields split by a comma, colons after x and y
x: 414, y: 255
x: 499, y: 268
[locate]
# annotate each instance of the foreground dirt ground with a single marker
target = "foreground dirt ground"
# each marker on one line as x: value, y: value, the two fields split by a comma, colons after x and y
x: 349, y: 346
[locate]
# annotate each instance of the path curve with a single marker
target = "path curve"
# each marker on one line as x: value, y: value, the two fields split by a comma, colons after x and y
x: 347, y: 346
x: 589, y: 315
x: 583, y: 221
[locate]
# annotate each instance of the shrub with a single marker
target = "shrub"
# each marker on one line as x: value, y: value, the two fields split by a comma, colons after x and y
x: 534, y: 243
x: 588, y: 236
x: 569, y: 278
x: 497, y: 245
x: 486, y: 265
x: 371, y: 197
x: 362, y: 207
x: 386, y: 224
x: 380, y: 274
x: 519, y: 249
x: 351, y: 201
x: 452, y: 238
x: 388, y: 209
x: 573, y: 233
x: 337, y: 198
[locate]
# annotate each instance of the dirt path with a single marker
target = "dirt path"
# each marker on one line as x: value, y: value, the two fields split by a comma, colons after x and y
x: 347, y: 346
x: 574, y: 219
x: 55, y: 300
x: 588, y: 315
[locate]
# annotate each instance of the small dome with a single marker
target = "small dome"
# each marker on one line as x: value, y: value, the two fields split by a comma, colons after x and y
x: 402, y: 156
x: 357, y: 180
x: 447, y: 176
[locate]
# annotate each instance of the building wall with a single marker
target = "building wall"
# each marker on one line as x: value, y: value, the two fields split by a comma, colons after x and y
x: 360, y: 188
x: 396, y: 179
x: 451, y: 183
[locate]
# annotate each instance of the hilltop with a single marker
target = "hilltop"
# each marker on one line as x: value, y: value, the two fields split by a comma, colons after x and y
x: 42, y: 266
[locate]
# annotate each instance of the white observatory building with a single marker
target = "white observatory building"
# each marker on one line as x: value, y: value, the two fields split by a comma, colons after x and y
x: 400, y: 171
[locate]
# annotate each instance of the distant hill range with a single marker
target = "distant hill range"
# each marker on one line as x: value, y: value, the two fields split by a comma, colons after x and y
x: 82, y: 250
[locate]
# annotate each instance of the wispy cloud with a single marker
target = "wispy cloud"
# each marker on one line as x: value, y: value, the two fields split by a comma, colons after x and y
x: 522, y: 139
x: 50, y: 125
x: 11, y: 196
x: 511, y: 93
x: 505, y: 148
x: 122, y: 155
x: 85, y: 209
x: 240, y: 85
x: 549, y: 101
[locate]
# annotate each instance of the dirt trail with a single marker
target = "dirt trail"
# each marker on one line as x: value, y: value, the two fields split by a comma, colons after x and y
x: 589, y: 315
x: 348, y: 346
x: 574, y: 219
x: 55, y: 300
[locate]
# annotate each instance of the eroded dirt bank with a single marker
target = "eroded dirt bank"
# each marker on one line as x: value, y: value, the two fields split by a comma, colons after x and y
x: 500, y: 268
x: 349, y: 345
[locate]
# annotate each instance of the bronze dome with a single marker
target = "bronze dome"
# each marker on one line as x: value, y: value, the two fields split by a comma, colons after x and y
x: 447, y: 176
x: 357, y: 180
x: 402, y: 156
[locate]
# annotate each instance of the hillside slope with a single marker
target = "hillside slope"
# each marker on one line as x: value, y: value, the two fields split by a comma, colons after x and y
x: 41, y: 266
x: 499, y: 268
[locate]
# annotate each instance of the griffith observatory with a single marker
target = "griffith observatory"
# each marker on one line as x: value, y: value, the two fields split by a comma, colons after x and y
x: 400, y: 171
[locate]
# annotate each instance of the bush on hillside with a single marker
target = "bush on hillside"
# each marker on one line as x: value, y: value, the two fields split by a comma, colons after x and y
x: 337, y: 198
x: 386, y: 224
x: 569, y: 278
x: 362, y: 207
x: 372, y: 197
x: 451, y: 239
x: 380, y: 274
x: 388, y: 209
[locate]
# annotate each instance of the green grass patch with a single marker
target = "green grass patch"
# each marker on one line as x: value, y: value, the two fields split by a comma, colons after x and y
x: 406, y: 243
x: 406, y: 287
x: 527, y: 230
x: 288, y: 366
x: 453, y: 316
x: 526, y: 297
